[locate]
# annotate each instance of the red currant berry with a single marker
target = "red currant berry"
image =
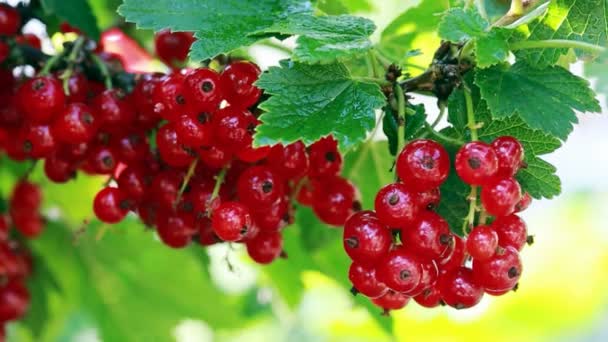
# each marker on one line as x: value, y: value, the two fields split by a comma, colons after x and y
x: 305, y: 195
x: 143, y: 97
x: 429, y: 199
x: 511, y: 230
x: 334, y: 200
x: 114, y: 110
x: 391, y: 301
x: 365, y: 281
x: 206, y: 235
x: 134, y: 182
x: 78, y: 87
x: 194, y: 131
x: 366, y: 239
x: 265, y: 247
x: 523, y: 203
x: 430, y: 273
x: 170, y: 99
x: 41, y: 98
x: 10, y: 20
x: 102, y: 160
x: 37, y: 141
x: 459, y: 289
x: 237, y: 84
x: 499, y: 273
x: 455, y: 256
x: 75, y: 124
x: 214, y: 156
x: 171, y: 151
x: 165, y: 187
x: 482, y: 243
x: 290, y: 161
x: 476, y: 163
x: 400, y: 270
x: 274, y: 218
x: 29, y: 225
x: 176, y: 231
x: 396, y: 205
x: 14, y: 300
x: 251, y: 154
x: 510, y: 155
x: 29, y: 39
x: 131, y: 147
x: 26, y: 195
x: 172, y: 47
x: 110, y: 205
x: 231, y: 221
x: 202, y: 88
x: 5, y: 50
x: 500, y: 197
x: 325, y: 160
x: 233, y: 128
x: 4, y: 228
x: 259, y: 186
x: 429, y: 298
x: 429, y: 237
x: 423, y: 165
x: 59, y: 170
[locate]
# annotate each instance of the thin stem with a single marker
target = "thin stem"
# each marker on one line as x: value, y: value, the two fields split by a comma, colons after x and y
x: 467, y: 50
x: 517, y: 7
x: 386, y: 62
x: 512, y: 17
x: 186, y: 181
x: 72, y: 59
x: 442, y: 137
x: 470, y: 219
x: 372, y: 58
x: 400, y: 117
x: 442, y: 110
x: 470, y: 114
x: 557, y: 43
x: 219, y: 180
x: 103, y: 68
x: 50, y: 63
x: 483, y: 216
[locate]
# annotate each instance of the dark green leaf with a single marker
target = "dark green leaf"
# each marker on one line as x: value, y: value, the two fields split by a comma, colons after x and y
x: 415, y: 123
x: 492, y: 48
x: 315, y: 234
x: 454, y: 205
x: 459, y: 25
x: 546, y: 99
x: 390, y: 129
x: 539, y: 178
x: 312, y: 101
x: 77, y: 13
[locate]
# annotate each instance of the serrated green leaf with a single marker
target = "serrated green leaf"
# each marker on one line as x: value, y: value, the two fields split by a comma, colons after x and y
x: 454, y: 205
x: 599, y: 70
x: 546, y: 99
x: 495, y: 9
x: 458, y: 25
x: 76, y: 12
x: 539, y: 179
x: 390, y: 129
x: 312, y: 101
x: 220, y: 25
x: 414, y: 29
x: 580, y: 20
x: 492, y: 48
x: 325, y: 39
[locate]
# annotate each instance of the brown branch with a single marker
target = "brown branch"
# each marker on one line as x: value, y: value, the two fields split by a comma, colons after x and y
x: 511, y: 17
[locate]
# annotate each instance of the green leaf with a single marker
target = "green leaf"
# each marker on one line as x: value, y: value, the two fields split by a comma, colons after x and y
x: 539, y: 179
x: 76, y: 12
x: 414, y: 29
x: 220, y: 25
x: 454, y: 205
x: 599, y: 71
x: 580, y: 20
x: 325, y: 39
x: 312, y: 101
x: 492, y: 48
x: 546, y: 99
x: 335, y: 7
x: 458, y: 25
x: 315, y: 234
x: 390, y: 129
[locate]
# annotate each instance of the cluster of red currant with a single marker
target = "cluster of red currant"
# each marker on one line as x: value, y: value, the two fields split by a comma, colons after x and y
x: 15, y: 261
x: 404, y: 249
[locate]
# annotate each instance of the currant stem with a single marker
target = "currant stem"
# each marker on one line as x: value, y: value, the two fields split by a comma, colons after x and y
x: 219, y: 180
x: 441, y: 137
x: 517, y: 7
x: 400, y: 117
x: 72, y: 59
x: 185, y: 182
x: 470, y: 114
x: 386, y: 62
x: 442, y: 110
x: 49, y: 64
x: 372, y: 58
x: 470, y: 219
x: 483, y: 216
x: 103, y: 68
x: 557, y: 43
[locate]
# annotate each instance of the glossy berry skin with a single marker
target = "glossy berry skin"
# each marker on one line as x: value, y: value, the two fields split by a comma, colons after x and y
x: 37, y: 141
x: 459, y: 289
x: 396, y: 205
x: 75, y: 124
x: 259, y: 186
x: 29, y: 39
x: 110, y: 205
x: 175, y: 230
x: 40, y: 98
x: 429, y: 199
x: 14, y: 300
x: 114, y: 110
x: 500, y: 197
x: 274, y: 218
x: 214, y: 156
x: 251, y: 154
x: 334, y: 200
x: 499, y: 273
x: 237, y: 84
x: 231, y: 221
x: 366, y: 240
x: 511, y: 230
x: 400, y: 270
x: 430, y: 274
x: 233, y: 128
x: 26, y: 195
x: 143, y: 97
x: 59, y: 170
x: 265, y: 247
x: 429, y: 298
x: 4, y: 51
x: 172, y: 47
x: 429, y: 237
x: 170, y: 149
x: 202, y: 89
x: 78, y: 85
x: 476, y: 163
x: 102, y: 160
x: 423, y: 165
x: 510, y: 155
x: 170, y: 98
x: 455, y: 256
x: 365, y: 281
x: 130, y: 147
x: 290, y: 161
x: 29, y: 225
x: 325, y: 160
x: 194, y: 131
x: 10, y: 20
x: 482, y: 243
x: 165, y: 187
x: 524, y: 203
x: 391, y: 301
x: 134, y: 183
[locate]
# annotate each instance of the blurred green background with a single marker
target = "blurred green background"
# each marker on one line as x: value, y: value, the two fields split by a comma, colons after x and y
x: 118, y: 283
